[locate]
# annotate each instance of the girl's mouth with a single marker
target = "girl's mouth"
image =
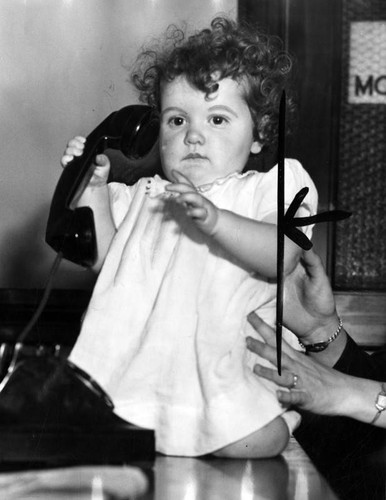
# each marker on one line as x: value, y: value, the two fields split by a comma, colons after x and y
x: 194, y: 156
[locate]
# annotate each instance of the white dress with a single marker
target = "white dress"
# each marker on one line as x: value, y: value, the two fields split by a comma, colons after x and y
x: 164, y: 333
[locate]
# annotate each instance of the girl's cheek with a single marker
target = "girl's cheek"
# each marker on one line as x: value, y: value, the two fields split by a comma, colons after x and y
x: 167, y: 157
x: 164, y: 139
x: 164, y: 147
x: 167, y: 144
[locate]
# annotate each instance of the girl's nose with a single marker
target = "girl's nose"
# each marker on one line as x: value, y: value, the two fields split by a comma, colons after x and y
x: 194, y: 135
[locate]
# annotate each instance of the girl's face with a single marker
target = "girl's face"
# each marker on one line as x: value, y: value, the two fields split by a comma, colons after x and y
x: 205, y: 138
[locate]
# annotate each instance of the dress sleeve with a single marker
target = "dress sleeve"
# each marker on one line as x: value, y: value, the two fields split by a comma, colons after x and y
x: 295, y: 178
x: 121, y: 196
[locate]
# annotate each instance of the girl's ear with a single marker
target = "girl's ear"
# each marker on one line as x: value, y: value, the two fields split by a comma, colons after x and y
x: 256, y: 147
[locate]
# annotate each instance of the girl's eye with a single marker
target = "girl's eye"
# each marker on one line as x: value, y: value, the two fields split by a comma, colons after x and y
x: 219, y: 120
x: 176, y: 121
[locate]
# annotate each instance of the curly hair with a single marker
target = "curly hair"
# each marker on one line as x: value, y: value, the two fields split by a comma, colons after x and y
x: 226, y: 50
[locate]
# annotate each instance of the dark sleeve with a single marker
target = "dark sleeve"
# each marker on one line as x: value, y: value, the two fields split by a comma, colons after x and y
x: 344, y: 450
x: 355, y: 361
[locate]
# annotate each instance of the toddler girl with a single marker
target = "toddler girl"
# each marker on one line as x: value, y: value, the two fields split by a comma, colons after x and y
x: 184, y: 259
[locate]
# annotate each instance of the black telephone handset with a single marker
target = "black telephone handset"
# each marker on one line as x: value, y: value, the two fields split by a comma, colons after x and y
x: 133, y: 130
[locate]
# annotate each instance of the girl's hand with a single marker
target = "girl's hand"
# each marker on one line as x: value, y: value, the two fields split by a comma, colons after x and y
x: 202, y: 211
x: 75, y: 147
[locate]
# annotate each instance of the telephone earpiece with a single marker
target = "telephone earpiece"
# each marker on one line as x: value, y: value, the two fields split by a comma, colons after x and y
x: 133, y: 132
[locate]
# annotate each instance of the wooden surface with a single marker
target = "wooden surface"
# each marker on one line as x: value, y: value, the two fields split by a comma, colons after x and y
x: 364, y: 316
x: 291, y: 477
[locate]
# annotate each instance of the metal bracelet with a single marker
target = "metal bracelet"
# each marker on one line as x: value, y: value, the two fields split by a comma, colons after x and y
x: 321, y: 346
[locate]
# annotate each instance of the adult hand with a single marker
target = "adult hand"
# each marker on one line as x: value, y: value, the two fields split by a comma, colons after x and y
x: 75, y: 147
x: 305, y: 382
x: 309, y: 306
x: 202, y: 211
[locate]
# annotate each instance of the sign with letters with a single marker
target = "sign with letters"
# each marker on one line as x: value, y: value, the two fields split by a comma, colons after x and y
x: 367, y: 65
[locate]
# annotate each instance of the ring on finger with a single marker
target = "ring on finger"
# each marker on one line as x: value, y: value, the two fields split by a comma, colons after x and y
x: 294, y: 382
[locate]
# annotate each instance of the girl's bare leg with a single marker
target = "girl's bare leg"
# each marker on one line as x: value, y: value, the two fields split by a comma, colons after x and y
x: 269, y: 441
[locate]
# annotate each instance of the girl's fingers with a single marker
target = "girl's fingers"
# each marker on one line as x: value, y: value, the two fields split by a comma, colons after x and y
x: 65, y: 160
x: 74, y: 151
x: 102, y: 161
x: 179, y: 177
x: 77, y: 141
x: 180, y: 188
x: 74, y: 147
x: 190, y: 199
x: 197, y: 213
